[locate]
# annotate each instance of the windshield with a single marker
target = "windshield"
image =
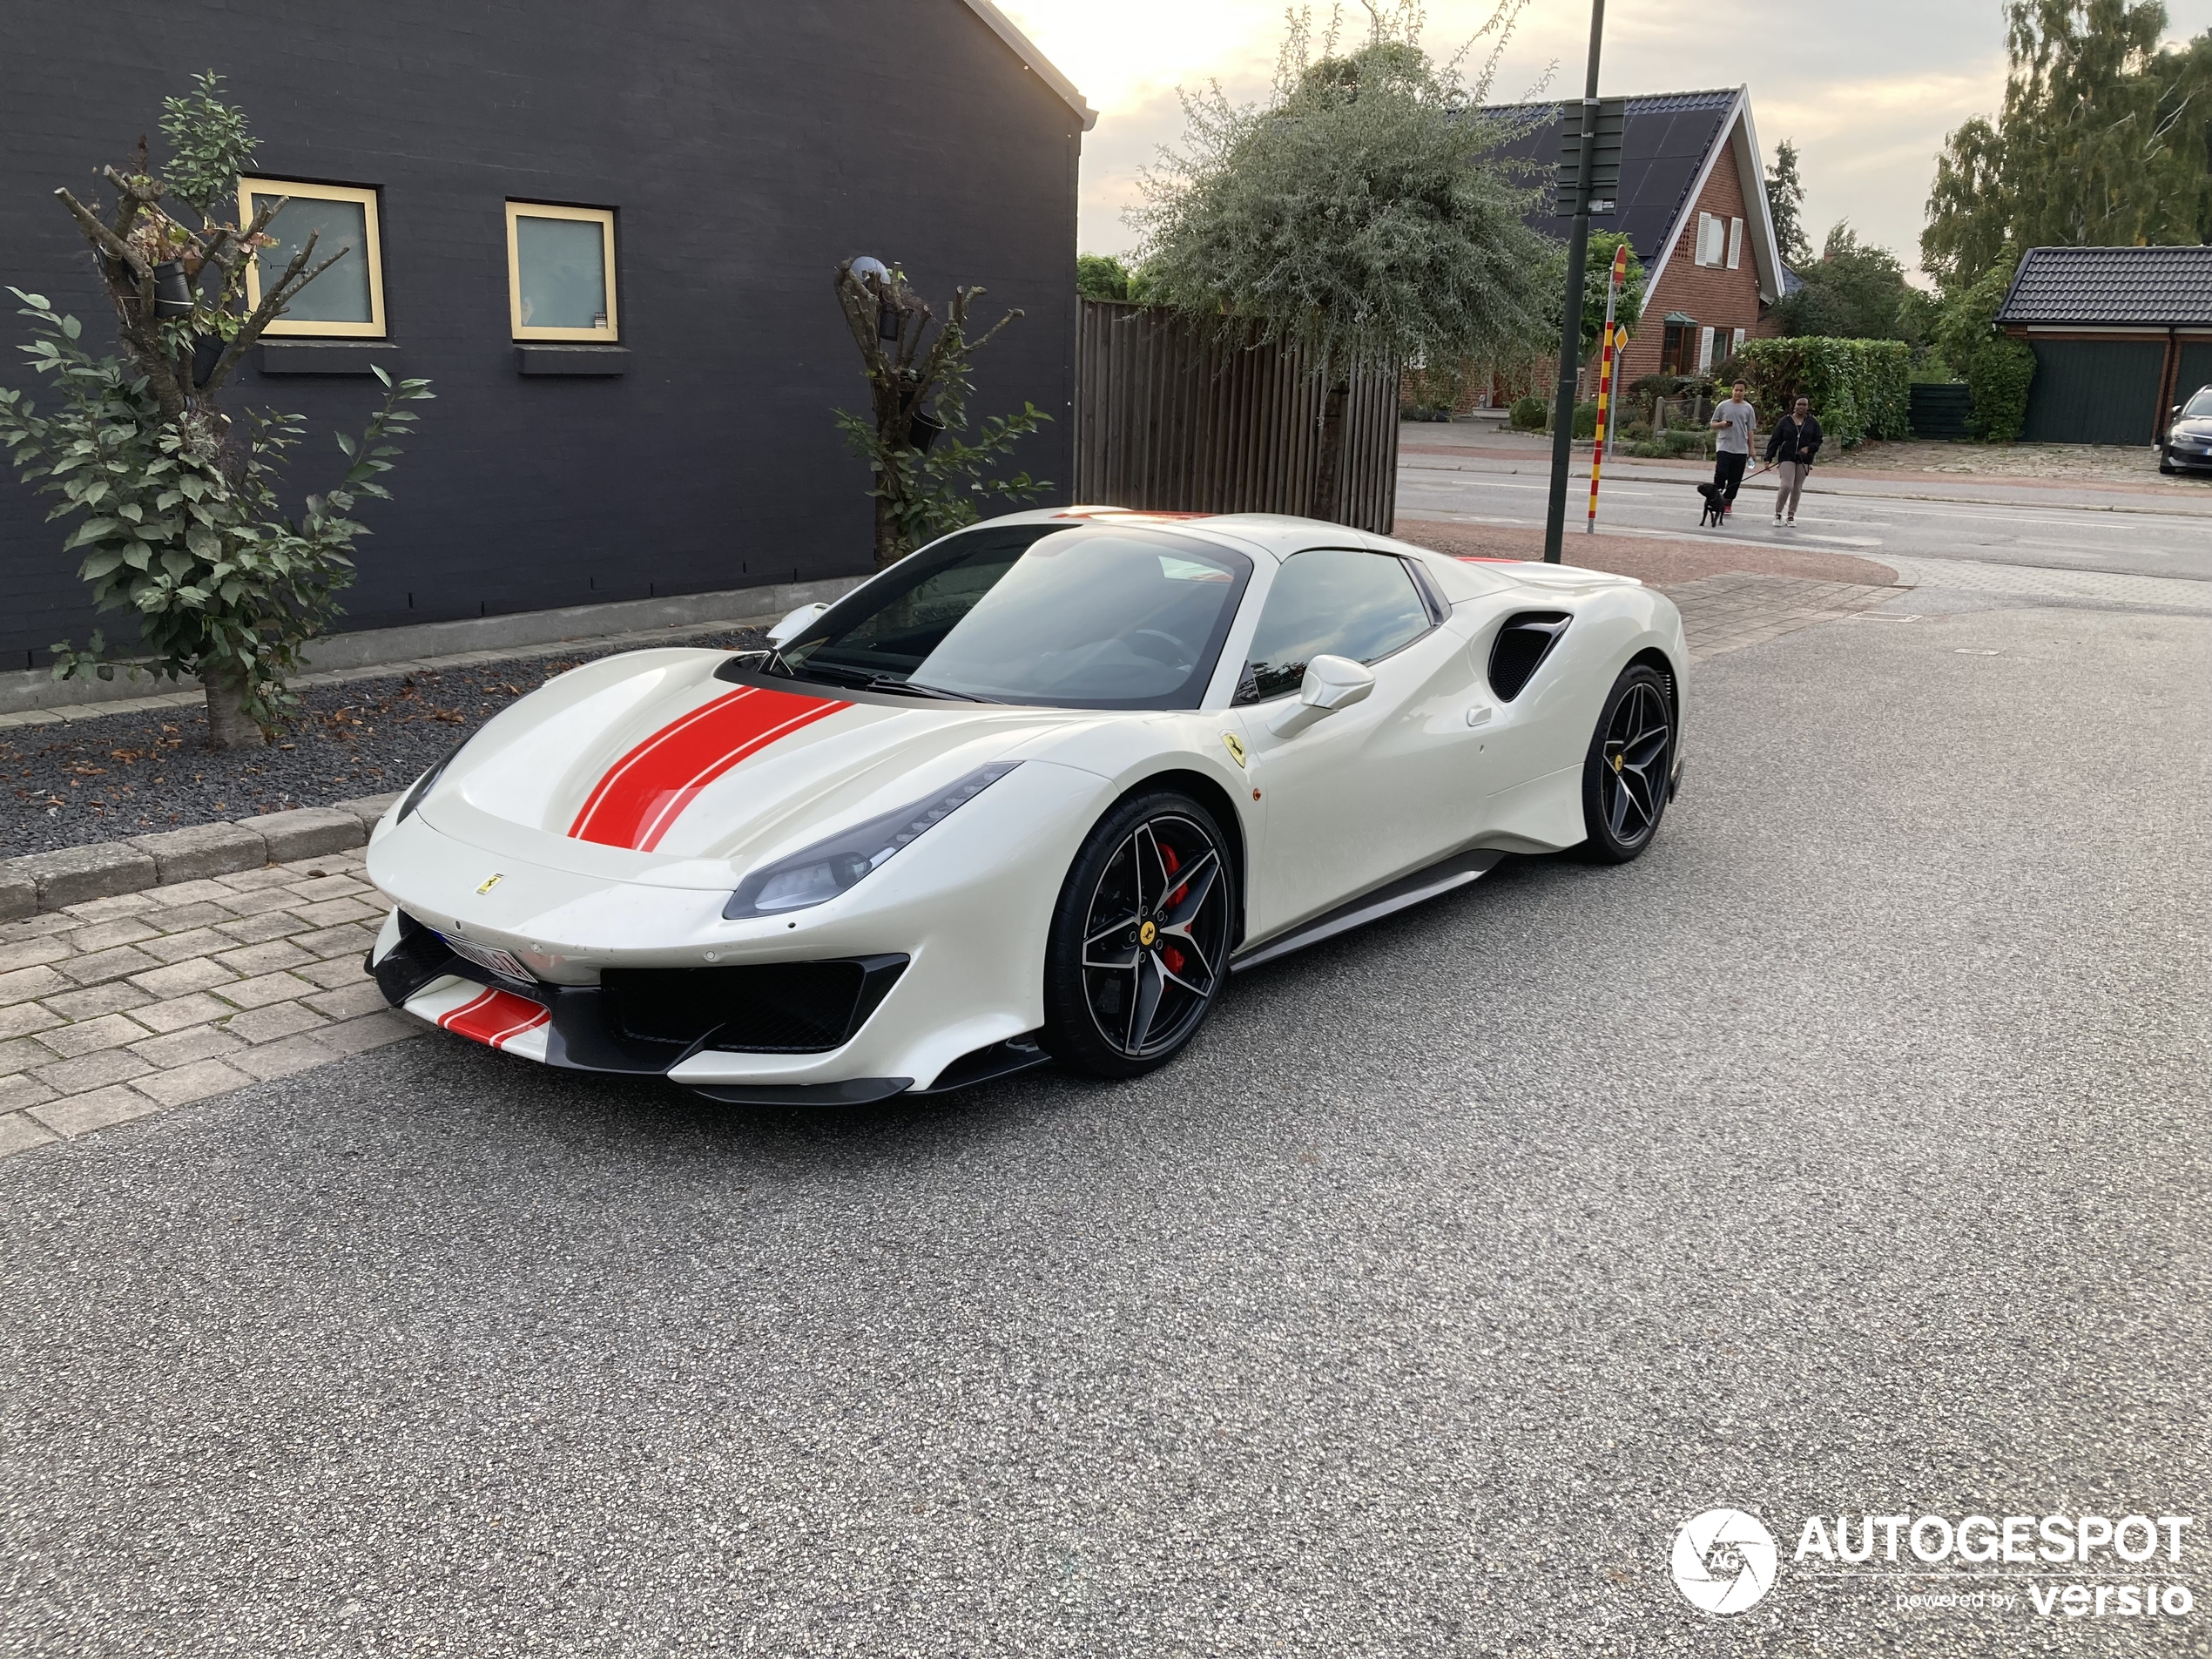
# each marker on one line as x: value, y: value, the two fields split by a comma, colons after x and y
x: 1092, y: 616
x: 2201, y: 403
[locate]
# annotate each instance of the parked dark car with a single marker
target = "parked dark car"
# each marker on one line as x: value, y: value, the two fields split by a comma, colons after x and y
x: 2188, y: 446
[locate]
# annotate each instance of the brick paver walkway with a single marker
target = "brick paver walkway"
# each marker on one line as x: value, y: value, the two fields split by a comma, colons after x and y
x: 1736, y: 609
x: 120, y: 1007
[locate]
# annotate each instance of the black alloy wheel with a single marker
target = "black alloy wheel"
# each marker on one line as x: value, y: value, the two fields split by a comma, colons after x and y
x: 1625, y: 778
x: 1140, y: 938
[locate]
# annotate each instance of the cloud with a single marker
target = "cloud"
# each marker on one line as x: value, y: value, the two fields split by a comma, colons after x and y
x: 1866, y: 89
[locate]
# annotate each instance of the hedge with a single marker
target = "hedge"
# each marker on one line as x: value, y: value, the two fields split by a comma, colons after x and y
x: 1998, y: 375
x: 1859, y: 388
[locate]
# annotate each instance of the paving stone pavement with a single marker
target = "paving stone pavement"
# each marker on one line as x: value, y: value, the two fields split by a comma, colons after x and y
x: 117, y: 1008
x: 1736, y: 608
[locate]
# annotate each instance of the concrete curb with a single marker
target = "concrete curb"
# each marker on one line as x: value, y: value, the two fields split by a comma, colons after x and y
x: 74, y: 874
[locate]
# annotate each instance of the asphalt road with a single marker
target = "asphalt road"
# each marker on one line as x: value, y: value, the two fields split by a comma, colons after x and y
x: 2146, y: 532
x: 1849, y: 1153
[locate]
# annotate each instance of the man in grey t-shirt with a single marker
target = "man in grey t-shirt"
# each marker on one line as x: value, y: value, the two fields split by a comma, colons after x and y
x: 1732, y: 450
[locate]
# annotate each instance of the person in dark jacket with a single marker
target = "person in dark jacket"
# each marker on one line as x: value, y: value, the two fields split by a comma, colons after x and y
x: 1795, y: 441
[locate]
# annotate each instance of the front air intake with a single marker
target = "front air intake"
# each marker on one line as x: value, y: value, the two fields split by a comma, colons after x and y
x: 766, y: 1008
x: 1522, y: 646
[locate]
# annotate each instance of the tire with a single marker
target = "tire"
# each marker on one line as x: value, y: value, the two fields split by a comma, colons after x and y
x: 1631, y: 758
x: 1134, y: 965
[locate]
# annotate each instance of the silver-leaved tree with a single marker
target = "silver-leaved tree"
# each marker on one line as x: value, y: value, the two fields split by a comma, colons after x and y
x: 175, y: 505
x: 1363, y: 214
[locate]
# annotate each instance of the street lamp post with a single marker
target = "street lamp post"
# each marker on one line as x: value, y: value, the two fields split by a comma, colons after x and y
x: 1570, y: 333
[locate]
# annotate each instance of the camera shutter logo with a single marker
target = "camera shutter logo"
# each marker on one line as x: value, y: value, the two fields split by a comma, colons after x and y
x: 1723, y: 1560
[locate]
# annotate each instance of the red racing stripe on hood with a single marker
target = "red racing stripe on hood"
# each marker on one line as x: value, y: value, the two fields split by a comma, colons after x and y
x: 496, y: 1017
x: 645, y: 792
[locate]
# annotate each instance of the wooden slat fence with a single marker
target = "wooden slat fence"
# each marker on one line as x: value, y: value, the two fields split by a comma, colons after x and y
x: 1171, y: 420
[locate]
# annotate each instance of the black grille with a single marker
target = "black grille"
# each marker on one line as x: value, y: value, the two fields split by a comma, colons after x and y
x: 768, y: 1008
x: 1523, y: 643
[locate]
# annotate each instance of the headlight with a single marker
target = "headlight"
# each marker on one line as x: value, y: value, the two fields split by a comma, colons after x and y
x: 828, y: 868
x: 428, y: 781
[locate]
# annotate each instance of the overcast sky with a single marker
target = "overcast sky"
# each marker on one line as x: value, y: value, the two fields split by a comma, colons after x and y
x: 1867, y: 88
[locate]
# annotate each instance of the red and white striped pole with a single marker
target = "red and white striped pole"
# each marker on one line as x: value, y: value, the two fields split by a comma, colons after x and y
x: 1605, y: 381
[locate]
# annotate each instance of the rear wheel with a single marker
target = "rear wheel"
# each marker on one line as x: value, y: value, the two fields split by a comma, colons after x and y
x: 1624, y: 779
x: 1140, y: 937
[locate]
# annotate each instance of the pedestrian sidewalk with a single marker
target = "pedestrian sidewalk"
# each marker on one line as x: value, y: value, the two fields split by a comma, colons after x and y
x: 120, y: 1007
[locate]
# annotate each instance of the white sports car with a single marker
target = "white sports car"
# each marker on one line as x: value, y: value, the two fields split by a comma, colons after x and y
x: 1033, y: 793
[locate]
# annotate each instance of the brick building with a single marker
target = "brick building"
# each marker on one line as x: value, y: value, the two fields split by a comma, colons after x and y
x: 606, y: 234
x: 1693, y: 204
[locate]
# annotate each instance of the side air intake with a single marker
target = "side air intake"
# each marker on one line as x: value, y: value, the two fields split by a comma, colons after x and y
x: 1523, y: 643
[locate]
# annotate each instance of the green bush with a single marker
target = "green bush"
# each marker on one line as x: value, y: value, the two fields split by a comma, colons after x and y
x: 1100, y: 276
x: 1859, y: 388
x: 1636, y: 432
x: 1528, y: 415
x: 1675, y: 444
x: 1999, y: 377
x: 1586, y: 420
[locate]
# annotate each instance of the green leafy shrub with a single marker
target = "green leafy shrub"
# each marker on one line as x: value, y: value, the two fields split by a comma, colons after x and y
x: 1586, y: 420
x: 193, y: 538
x: 930, y: 478
x: 1528, y: 415
x: 1999, y: 377
x: 175, y: 502
x: 1859, y: 388
x: 1997, y: 371
x: 1100, y: 276
x: 1636, y: 432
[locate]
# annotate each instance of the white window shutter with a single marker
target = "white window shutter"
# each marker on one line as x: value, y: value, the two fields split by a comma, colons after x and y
x: 1734, y: 243
x: 1704, y: 351
x: 1708, y: 245
x: 1738, y: 344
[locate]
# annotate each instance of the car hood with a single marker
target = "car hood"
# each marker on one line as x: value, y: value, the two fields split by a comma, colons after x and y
x: 2196, y: 431
x: 646, y: 768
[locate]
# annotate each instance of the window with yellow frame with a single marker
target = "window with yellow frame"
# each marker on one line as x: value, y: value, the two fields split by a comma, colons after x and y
x: 561, y: 273
x: 346, y: 301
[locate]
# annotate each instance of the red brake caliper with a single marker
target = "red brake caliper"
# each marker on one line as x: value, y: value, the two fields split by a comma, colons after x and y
x: 1169, y: 955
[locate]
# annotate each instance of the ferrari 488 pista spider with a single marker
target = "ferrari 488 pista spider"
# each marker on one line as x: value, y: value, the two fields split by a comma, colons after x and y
x: 1033, y: 793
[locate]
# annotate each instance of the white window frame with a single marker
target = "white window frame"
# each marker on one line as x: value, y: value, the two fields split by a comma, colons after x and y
x: 1705, y: 350
x: 1736, y: 347
x: 375, y: 328
x: 1709, y: 235
x: 1734, y: 243
x: 604, y: 217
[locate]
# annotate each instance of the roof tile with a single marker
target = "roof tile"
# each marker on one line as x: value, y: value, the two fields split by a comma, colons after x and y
x: 2159, y: 287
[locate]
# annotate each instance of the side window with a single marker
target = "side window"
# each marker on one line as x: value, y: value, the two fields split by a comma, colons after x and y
x: 348, y: 298
x: 561, y: 273
x: 1331, y: 601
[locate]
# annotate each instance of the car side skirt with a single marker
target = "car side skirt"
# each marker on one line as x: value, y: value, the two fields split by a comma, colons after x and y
x: 1407, y: 891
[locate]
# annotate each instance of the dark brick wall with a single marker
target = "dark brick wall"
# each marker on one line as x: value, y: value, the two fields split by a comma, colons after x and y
x: 747, y: 147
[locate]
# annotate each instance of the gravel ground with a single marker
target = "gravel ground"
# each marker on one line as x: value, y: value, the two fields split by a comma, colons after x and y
x: 2128, y: 463
x: 1849, y: 1153
x: 130, y: 774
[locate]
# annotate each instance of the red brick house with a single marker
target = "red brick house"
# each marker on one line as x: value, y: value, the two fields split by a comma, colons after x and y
x: 1693, y: 203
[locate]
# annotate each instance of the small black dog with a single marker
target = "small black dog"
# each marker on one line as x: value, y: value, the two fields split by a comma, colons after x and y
x: 1715, y: 506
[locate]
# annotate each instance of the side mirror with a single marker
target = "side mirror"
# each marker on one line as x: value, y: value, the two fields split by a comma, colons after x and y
x: 1331, y: 682
x: 795, y: 624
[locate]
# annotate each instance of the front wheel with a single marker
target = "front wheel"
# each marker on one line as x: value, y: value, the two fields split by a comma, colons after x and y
x: 1140, y: 938
x: 1625, y: 778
